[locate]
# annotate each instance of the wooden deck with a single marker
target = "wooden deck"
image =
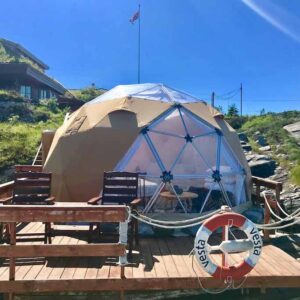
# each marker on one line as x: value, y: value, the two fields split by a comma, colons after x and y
x: 157, y: 264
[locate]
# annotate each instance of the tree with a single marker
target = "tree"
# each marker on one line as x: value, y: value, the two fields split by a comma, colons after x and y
x: 232, y: 111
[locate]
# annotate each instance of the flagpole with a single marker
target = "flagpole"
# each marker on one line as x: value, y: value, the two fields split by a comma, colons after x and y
x: 139, y: 47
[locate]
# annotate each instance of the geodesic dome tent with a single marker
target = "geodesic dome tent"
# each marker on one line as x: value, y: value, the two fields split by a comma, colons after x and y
x: 175, y: 141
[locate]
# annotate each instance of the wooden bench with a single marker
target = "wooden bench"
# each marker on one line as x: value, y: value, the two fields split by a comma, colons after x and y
x: 13, y: 214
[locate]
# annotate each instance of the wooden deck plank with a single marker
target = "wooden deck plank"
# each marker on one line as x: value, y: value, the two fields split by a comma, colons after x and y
x: 103, y: 271
x: 282, y: 261
x: 48, y: 266
x: 273, y: 265
x: 28, y: 228
x: 167, y: 258
x: 182, y: 269
x: 59, y: 267
x: 194, y: 268
x: 94, y: 264
x: 82, y: 264
x: 136, y: 284
x: 158, y: 264
x: 25, y: 269
x: 139, y: 264
x: 71, y: 263
x: 149, y: 270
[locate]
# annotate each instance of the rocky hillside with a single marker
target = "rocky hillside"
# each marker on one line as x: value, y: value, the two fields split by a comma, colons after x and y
x: 272, y: 147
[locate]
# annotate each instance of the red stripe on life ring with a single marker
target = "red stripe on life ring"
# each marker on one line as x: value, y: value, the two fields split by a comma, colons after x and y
x: 220, y: 220
x: 235, y: 272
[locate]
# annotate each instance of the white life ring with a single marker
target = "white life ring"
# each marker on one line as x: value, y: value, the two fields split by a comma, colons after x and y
x: 202, y: 248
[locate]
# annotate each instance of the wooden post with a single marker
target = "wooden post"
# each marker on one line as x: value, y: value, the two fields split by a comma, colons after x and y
x: 122, y: 271
x: 277, y: 191
x: 12, y: 261
x: 257, y: 192
x: 266, y: 221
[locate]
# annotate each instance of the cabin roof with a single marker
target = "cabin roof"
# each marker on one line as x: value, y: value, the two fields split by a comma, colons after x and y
x: 19, y: 48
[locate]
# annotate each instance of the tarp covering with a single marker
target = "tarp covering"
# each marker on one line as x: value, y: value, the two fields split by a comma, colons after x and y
x: 174, y: 140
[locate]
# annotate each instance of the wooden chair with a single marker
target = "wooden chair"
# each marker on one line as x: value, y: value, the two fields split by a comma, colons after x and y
x: 31, y: 188
x: 120, y: 188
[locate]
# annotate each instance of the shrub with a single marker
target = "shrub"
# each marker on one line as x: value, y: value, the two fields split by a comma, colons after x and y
x: 12, y: 96
x: 51, y: 104
x: 235, y: 121
x: 22, y: 110
x: 295, y: 174
x: 87, y: 94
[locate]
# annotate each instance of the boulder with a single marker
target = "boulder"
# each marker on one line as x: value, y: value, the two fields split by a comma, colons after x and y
x: 294, y: 130
x: 262, y: 157
x: 243, y: 137
x: 256, y: 215
x: 247, y: 147
x: 260, y: 140
x: 262, y: 168
x: 266, y: 148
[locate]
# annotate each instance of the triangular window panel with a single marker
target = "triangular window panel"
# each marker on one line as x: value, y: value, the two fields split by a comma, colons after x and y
x: 170, y: 124
x: 140, y: 159
x: 191, y: 163
x: 207, y: 146
x: 194, y: 126
x: 168, y: 147
x: 228, y: 162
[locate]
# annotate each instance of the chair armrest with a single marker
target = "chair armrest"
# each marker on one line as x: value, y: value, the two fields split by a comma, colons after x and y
x: 134, y: 203
x: 6, y: 200
x: 95, y: 200
x: 50, y: 200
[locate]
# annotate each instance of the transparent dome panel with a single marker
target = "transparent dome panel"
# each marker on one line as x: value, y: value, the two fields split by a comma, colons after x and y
x: 191, y: 162
x: 170, y: 124
x: 228, y: 162
x: 194, y: 126
x: 207, y: 147
x: 167, y: 147
x: 140, y: 159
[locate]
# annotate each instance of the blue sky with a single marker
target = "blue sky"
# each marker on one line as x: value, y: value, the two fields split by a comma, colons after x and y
x: 198, y: 46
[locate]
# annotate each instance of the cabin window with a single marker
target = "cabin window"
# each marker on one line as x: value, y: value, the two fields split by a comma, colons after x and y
x: 25, y: 91
x: 43, y: 94
x: 52, y: 95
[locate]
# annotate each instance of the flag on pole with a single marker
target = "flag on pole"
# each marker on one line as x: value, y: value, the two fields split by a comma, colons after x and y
x: 134, y: 17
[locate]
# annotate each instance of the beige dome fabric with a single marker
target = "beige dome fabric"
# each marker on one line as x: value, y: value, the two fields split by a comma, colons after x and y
x: 98, y: 135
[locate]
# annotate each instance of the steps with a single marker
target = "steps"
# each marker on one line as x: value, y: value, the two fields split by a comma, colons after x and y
x: 38, y: 159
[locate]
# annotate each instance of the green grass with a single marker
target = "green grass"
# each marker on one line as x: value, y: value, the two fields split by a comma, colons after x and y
x: 295, y: 174
x: 87, y: 94
x: 19, y: 140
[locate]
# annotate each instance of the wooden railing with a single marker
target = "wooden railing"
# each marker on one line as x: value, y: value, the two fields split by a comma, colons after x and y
x: 270, y: 184
x: 273, y: 201
x: 13, y: 214
x: 6, y: 188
